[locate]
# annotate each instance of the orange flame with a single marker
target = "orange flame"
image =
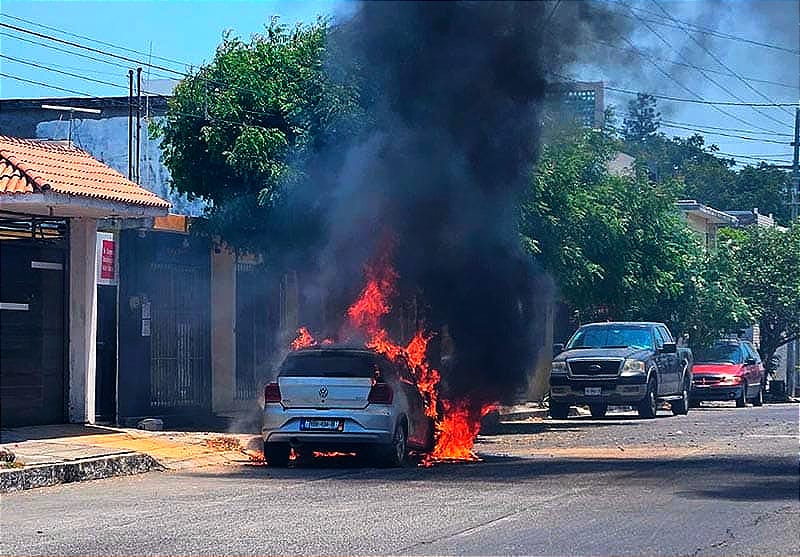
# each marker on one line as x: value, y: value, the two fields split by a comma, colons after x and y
x: 457, y: 422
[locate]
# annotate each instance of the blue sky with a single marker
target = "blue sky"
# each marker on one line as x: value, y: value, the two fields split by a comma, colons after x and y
x: 188, y: 31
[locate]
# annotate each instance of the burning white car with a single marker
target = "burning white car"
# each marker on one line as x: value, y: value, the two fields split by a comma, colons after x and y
x: 344, y: 399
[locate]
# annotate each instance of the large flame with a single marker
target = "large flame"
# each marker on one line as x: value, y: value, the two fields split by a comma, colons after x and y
x: 457, y: 422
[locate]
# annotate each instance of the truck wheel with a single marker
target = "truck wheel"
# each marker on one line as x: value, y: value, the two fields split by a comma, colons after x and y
x: 741, y: 402
x: 598, y: 410
x: 758, y: 400
x: 648, y: 407
x: 559, y: 410
x: 276, y: 454
x: 681, y: 407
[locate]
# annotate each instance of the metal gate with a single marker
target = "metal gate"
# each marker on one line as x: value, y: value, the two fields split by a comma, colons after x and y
x: 179, y: 343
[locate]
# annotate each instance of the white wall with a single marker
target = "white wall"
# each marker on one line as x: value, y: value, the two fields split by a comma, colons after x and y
x: 82, y: 319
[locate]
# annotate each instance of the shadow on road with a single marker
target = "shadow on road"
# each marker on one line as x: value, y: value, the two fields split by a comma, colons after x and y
x: 731, y: 478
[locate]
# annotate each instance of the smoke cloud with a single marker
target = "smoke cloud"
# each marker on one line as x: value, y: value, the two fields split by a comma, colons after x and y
x: 456, y: 93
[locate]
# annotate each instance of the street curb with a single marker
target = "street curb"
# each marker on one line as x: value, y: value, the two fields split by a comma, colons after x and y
x: 45, y: 475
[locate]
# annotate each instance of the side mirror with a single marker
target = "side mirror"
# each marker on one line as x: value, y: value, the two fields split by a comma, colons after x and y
x: 558, y: 348
x: 750, y: 362
x: 669, y: 348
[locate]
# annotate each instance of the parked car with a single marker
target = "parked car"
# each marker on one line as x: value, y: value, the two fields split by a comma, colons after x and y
x: 622, y: 363
x: 728, y: 370
x: 344, y: 399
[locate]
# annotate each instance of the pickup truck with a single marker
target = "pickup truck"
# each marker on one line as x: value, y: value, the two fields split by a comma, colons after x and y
x: 620, y: 363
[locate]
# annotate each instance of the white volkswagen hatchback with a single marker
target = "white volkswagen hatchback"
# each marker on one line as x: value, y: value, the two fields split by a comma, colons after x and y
x: 344, y: 399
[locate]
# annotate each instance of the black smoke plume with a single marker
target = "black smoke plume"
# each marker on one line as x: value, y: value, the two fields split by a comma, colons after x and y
x: 455, y: 115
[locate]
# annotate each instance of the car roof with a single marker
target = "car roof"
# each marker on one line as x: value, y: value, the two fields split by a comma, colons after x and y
x: 334, y: 351
x: 625, y: 324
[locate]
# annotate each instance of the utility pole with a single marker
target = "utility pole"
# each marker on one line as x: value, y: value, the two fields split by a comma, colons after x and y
x: 796, y: 165
x: 138, y: 120
x: 130, y: 124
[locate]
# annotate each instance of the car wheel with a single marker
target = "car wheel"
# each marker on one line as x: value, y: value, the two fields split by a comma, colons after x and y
x: 648, y: 407
x: 559, y: 410
x: 396, y: 453
x: 598, y: 410
x: 758, y: 400
x: 276, y: 454
x: 741, y: 402
x: 681, y: 407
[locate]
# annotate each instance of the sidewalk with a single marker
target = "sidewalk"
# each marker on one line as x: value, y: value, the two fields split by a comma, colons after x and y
x: 55, y: 454
x: 50, y: 455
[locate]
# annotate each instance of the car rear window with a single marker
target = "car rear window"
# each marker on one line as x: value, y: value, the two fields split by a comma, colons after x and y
x: 719, y: 354
x: 328, y: 365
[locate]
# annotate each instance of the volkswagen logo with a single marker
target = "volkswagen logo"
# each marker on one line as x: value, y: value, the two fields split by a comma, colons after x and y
x: 323, y: 393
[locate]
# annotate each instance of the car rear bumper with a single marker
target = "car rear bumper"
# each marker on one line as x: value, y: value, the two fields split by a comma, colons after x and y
x: 619, y: 390
x: 373, y: 424
x: 716, y: 393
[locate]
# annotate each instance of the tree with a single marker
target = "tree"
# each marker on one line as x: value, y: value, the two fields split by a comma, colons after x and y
x: 236, y: 129
x: 643, y: 119
x: 766, y: 261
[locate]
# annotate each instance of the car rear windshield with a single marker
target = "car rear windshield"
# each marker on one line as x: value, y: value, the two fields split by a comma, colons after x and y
x: 719, y: 354
x: 328, y: 365
x: 611, y: 337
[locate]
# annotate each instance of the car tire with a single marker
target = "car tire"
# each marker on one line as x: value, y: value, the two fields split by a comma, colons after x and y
x: 758, y: 400
x: 276, y: 454
x: 648, y: 407
x: 681, y: 407
x: 741, y: 401
x: 559, y: 410
x: 598, y: 410
x: 395, y: 454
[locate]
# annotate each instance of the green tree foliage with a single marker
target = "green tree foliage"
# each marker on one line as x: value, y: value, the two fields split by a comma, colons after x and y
x: 236, y: 129
x: 702, y: 173
x: 617, y: 246
x: 642, y: 121
x: 766, y: 265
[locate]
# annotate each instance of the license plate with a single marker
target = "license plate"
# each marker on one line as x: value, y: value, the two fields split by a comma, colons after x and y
x: 321, y: 424
x: 593, y: 391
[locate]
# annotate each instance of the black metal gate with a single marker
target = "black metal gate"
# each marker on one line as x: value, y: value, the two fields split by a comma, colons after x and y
x: 179, y: 337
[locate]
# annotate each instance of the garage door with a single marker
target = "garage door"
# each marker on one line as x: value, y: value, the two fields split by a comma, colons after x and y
x: 32, y: 332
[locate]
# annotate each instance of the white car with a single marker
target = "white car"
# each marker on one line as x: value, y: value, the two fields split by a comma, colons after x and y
x: 344, y: 399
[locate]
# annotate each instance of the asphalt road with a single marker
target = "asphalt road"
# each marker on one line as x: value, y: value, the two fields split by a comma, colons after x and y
x: 720, y: 481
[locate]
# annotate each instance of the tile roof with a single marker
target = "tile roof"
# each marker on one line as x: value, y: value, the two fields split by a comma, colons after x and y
x: 35, y: 166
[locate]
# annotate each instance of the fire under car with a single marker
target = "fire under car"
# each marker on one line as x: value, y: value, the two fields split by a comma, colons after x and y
x: 344, y: 399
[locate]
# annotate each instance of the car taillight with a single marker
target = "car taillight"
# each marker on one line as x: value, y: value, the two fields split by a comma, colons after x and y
x: 381, y: 393
x: 272, y: 393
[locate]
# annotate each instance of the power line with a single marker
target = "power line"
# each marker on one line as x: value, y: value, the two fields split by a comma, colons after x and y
x: 703, y: 73
x: 35, y: 65
x: 704, y: 126
x: 745, y: 138
x: 709, y: 31
x: 45, y: 85
x: 677, y: 99
x: 84, y: 37
x: 89, y: 48
x: 694, y: 66
x: 716, y: 58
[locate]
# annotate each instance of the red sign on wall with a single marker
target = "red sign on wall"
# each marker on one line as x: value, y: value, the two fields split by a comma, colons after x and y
x: 107, y: 260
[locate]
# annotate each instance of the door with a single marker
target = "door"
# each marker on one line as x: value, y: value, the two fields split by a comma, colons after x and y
x: 667, y: 364
x: 106, y: 374
x: 32, y: 333
x: 179, y: 338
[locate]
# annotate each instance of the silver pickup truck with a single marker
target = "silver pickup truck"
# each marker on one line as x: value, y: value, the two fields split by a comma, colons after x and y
x: 620, y: 363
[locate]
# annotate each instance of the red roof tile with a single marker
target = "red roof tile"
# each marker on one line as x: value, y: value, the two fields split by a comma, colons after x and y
x: 34, y: 166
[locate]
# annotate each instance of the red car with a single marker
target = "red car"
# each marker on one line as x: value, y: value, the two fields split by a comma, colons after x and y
x: 728, y: 370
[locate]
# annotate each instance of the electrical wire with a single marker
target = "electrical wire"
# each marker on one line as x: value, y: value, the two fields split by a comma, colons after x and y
x: 685, y: 88
x: 97, y: 41
x: 707, y: 127
x: 713, y: 32
x: 35, y: 65
x: 742, y: 137
x: 717, y: 59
